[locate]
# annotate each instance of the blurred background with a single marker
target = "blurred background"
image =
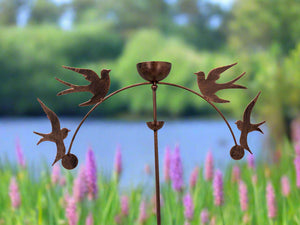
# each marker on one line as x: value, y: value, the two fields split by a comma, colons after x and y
x: 39, y: 36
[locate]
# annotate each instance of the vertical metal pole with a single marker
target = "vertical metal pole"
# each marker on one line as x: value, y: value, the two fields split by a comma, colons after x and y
x: 158, y: 216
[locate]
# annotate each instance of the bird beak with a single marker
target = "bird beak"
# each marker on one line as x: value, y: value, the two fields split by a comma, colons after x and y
x: 69, y: 130
x: 108, y: 70
x: 196, y: 73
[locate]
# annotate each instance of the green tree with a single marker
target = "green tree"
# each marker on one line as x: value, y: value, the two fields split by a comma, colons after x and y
x: 45, y: 12
x: 9, y: 10
x: 202, y: 23
x: 259, y: 24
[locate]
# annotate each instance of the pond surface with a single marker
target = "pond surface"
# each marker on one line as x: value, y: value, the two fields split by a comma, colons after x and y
x: 195, y: 138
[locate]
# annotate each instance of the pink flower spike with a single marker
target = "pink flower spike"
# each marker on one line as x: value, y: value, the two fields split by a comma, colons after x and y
x: 271, y: 202
x: 71, y: 213
x: 194, y: 177
x: 20, y: 156
x: 167, y: 164
x: 297, y: 167
x: 55, y: 176
x: 209, y: 166
x: 297, y: 148
x: 176, y: 170
x: 14, y: 193
x: 79, y: 187
x: 143, y: 212
x: 218, y: 188
x: 236, y: 173
x: 251, y: 161
x: 204, y: 216
x: 124, y: 205
x: 118, y: 161
x: 243, y: 192
x: 89, y: 220
x: 285, y: 186
x: 91, y: 175
x: 188, y: 207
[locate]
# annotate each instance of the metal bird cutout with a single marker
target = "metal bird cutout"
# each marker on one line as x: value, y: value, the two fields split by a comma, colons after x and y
x: 57, y: 135
x: 98, y: 87
x: 246, y: 126
x: 209, y: 87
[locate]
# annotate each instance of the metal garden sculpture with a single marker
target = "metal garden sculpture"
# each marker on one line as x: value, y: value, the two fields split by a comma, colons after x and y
x: 153, y: 72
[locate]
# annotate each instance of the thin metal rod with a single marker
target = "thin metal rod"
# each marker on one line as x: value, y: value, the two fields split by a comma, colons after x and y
x: 158, y: 216
x: 215, y: 107
x: 95, y: 106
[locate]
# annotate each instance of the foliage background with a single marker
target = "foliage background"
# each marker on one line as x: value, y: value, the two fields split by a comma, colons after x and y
x: 263, y: 36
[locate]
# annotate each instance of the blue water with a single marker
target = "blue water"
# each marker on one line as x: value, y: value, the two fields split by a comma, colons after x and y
x: 195, y: 138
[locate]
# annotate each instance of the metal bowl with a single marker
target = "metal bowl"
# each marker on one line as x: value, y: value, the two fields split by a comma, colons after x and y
x: 154, y: 71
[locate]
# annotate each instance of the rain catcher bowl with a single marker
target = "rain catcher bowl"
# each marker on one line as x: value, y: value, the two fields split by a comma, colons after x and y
x: 154, y: 71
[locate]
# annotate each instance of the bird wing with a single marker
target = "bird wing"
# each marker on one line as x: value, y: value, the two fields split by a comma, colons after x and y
x: 61, y: 150
x: 52, y: 117
x: 248, y: 110
x: 90, y: 75
x: 214, y: 74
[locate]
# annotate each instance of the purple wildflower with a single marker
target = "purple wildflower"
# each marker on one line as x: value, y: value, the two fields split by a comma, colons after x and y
x: 91, y: 175
x: 209, y: 166
x: 285, y: 186
x: 251, y: 161
x: 194, y: 177
x: 188, y: 207
x: 176, y: 170
x: 218, y: 188
x: 167, y: 164
x: 14, y: 193
x: 297, y: 148
x: 204, y: 216
x: 295, y: 130
x: 124, y: 205
x: 243, y: 196
x: 79, y: 187
x: 187, y: 223
x: 236, y: 173
x: 147, y: 169
x: 118, y: 162
x: 71, y: 213
x: 271, y: 202
x: 143, y: 214
x: 55, y: 176
x: 20, y: 156
x: 297, y: 167
x: 89, y: 220
x: 62, y: 181
x: 213, y: 220
x: 254, y: 179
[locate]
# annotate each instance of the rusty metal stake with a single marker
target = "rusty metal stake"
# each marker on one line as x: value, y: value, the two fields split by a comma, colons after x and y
x: 155, y: 126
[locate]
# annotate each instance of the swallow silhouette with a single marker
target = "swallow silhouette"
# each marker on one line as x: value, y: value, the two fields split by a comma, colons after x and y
x: 246, y: 126
x: 209, y: 87
x: 57, y: 135
x: 98, y: 87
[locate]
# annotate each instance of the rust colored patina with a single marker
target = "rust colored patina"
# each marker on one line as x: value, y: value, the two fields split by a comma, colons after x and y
x: 209, y: 87
x: 246, y: 126
x: 99, y: 87
x: 154, y: 71
x: 57, y: 135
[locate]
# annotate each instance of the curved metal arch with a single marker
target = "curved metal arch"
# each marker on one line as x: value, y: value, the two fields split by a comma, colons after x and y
x: 213, y: 105
x: 95, y: 106
x: 145, y: 83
